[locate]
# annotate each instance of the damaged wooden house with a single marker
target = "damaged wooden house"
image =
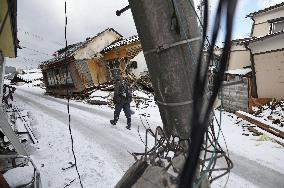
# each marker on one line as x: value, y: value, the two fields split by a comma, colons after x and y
x: 118, y: 56
x: 82, y: 68
x: 97, y: 60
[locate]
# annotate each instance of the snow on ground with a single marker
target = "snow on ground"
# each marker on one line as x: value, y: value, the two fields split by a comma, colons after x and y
x: 263, y: 120
x: 271, y: 114
x: 102, y: 150
x: 239, y: 71
x: 102, y: 158
x: 266, y: 153
x: 234, y: 181
x: 19, y: 176
x: 31, y: 75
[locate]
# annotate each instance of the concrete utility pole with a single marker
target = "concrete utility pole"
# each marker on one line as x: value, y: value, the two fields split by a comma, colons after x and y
x: 166, y: 29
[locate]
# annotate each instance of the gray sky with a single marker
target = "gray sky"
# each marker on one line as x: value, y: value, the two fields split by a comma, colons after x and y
x: 41, y: 24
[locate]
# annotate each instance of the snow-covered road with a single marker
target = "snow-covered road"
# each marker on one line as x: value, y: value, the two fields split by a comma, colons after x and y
x: 90, y: 123
x: 101, y: 149
x: 257, y: 174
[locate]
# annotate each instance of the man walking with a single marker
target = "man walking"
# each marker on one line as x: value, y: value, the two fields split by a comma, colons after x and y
x: 122, y: 98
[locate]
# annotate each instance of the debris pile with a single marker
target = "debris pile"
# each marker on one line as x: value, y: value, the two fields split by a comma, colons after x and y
x: 266, y: 121
x: 142, y: 92
x: 272, y: 112
x: 166, y: 156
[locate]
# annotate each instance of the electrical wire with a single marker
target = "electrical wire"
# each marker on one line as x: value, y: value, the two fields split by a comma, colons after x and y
x: 201, y: 109
x: 68, y: 99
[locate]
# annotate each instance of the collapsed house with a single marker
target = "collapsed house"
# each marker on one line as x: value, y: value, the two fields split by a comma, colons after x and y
x: 79, y: 67
x: 97, y: 60
x: 263, y: 52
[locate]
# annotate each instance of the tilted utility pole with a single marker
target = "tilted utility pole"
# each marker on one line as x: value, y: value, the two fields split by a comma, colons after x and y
x: 170, y: 39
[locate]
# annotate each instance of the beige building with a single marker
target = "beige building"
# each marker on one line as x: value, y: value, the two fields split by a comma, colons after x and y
x: 267, y: 50
x: 239, y: 57
x: 267, y: 21
x: 263, y: 52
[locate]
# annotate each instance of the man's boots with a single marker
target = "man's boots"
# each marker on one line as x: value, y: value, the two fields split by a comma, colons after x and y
x: 128, y: 123
x: 113, y: 121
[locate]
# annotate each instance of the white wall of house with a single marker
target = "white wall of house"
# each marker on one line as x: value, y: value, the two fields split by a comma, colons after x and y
x: 141, y: 65
x: 261, y: 26
x: 97, y: 45
x: 239, y: 57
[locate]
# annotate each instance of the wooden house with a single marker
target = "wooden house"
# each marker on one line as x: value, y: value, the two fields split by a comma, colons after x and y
x: 79, y: 67
x: 117, y: 56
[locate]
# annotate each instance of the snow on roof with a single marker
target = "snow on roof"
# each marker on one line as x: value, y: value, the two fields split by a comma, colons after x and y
x: 254, y: 39
x: 32, y: 71
x: 122, y: 42
x: 74, y: 47
x: 266, y: 9
x: 31, y: 75
x: 239, y: 71
x: 139, y: 58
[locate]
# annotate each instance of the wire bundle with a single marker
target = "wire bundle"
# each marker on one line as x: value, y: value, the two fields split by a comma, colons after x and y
x: 202, y: 108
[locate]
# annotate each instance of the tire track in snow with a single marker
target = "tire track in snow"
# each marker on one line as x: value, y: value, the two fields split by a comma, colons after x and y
x: 254, y: 172
x: 115, y: 142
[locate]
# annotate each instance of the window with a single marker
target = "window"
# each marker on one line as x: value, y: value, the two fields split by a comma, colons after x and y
x: 57, y: 76
x: 114, y: 69
x: 277, y: 26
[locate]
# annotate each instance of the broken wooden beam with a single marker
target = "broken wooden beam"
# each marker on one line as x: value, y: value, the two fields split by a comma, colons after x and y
x: 250, y: 118
x: 97, y: 102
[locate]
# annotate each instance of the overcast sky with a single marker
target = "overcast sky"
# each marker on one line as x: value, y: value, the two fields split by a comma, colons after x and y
x: 41, y: 24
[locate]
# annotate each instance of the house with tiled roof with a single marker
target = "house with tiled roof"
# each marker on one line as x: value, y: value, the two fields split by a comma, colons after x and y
x: 79, y: 67
x: 263, y: 54
x: 119, y: 54
x: 266, y: 47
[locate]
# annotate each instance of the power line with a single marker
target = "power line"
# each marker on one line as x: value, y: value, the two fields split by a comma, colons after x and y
x: 68, y: 98
x: 202, y: 109
x: 38, y: 37
x: 34, y: 50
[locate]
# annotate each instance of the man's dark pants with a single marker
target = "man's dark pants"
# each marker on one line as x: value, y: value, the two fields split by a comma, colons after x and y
x: 125, y: 105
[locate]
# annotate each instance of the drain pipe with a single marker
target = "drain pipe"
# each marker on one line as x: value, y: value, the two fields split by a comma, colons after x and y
x: 254, y: 83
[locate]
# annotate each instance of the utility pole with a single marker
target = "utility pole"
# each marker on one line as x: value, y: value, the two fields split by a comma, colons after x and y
x: 170, y: 39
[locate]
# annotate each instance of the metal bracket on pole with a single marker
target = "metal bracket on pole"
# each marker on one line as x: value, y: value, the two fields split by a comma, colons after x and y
x: 167, y: 46
x: 8, y: 131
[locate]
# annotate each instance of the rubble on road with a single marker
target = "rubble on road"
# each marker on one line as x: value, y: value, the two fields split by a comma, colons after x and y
x: 143, y: 96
